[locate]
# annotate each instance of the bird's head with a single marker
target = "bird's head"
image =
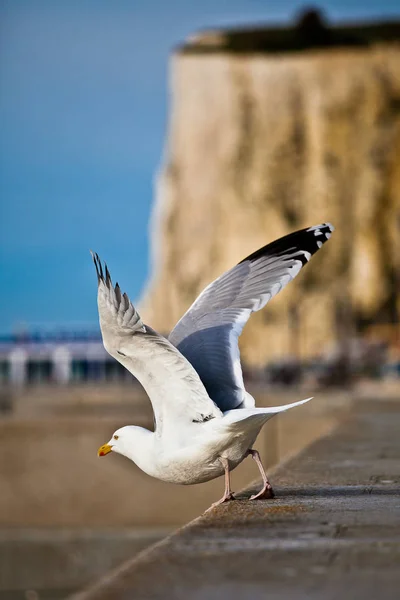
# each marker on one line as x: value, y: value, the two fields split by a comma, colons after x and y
x: 136, y: 443
x: 118, y: 442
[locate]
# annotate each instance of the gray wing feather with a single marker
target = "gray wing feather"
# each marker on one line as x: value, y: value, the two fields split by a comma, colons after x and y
x: 207, y: 335
x: 172, y: 384
x: 214, y: 352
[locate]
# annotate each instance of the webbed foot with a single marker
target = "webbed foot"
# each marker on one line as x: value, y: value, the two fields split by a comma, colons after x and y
x: 225, y: 498
x: 267, y: 493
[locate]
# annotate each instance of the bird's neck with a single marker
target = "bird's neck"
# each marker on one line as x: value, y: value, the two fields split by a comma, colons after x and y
x: 140, y: 448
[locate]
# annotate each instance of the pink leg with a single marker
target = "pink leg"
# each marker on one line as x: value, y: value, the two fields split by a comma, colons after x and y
x: 228, y: 495
x: 266, y: 491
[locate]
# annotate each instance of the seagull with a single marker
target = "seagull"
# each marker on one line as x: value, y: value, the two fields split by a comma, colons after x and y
x: 205, y: 421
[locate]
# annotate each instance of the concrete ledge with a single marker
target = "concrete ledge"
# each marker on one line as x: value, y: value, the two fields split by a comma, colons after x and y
x: 333, y: 530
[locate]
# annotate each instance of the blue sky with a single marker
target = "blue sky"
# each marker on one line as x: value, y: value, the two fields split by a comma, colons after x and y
x: 83, y: 108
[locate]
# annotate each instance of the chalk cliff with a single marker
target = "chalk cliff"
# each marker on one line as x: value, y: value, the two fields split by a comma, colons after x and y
x: 262, y: 142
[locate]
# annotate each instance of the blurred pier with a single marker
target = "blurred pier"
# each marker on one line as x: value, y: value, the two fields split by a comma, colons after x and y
x: 60, y: 358
x: 79, y: 358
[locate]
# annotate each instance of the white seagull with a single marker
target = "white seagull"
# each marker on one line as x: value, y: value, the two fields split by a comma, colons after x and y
x: 205, y: 421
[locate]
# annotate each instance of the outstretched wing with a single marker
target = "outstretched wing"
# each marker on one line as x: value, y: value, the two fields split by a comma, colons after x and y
x: 172, y: 384
x: 208, y: 332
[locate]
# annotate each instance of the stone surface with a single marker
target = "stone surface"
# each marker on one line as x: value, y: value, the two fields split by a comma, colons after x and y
x: 333, y: 530
x: 261, y: 144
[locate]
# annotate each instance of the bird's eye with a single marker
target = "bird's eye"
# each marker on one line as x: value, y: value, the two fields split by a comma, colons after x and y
x: 115, y: 437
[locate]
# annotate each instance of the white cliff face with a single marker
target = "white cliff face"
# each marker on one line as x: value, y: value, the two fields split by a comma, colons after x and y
x: 261, y: 145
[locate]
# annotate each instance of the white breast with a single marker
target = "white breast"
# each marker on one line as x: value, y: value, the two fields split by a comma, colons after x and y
x: 199, y: 462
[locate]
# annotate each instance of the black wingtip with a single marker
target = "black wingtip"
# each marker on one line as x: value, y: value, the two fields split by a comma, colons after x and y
x: 96, y: 264
x: 108, y: 276
x: 305, y: 241
x: 101, y: 274
x: 118, y: 293
x: 126, y: 299
x: 99, y: 269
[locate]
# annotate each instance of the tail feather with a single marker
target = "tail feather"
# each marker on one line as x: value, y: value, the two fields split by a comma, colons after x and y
x: 277, y: 409
x: 235, y: 419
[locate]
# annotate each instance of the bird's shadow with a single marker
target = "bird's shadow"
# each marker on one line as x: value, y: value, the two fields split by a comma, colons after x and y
x: 327, y: 491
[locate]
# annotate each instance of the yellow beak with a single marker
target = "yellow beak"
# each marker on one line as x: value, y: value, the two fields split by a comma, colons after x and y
x: 103, y: 450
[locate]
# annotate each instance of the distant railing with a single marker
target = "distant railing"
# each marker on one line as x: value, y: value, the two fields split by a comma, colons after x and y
x: 19, y: 370
x: 70, y: 360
